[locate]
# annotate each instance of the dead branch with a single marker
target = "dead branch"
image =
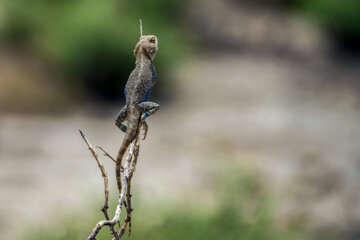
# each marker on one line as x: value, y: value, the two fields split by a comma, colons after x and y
x: 141, y: 33
x: 125, y: 196
x: 106, y: 183
x: 128, y: 196
x: 106, y: 154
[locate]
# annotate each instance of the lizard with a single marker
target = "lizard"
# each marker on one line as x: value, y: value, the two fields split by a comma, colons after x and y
x: 137, y: 93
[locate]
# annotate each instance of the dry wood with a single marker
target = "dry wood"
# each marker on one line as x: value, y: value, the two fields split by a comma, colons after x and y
x: 106, y: 154
x: 141, y: 33
x: 106, y: 183
x: 125, y: 195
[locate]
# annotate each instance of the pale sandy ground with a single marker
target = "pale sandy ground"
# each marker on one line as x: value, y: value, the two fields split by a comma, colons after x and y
x: 304, y: 143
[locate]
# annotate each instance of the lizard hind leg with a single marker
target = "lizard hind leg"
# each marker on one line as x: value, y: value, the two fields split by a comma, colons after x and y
x: 121, y: 118
x: 148, y: 108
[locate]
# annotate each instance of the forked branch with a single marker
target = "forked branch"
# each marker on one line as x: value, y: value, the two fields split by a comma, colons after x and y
x: 125, y: 195
x: 106, y: 183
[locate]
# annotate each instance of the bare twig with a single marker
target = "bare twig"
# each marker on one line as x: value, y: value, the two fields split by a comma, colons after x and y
x: 106, y: 154
x: 133, y: 166
x: 106, y: 182
x: 141, y: 33
x: 125, y: 191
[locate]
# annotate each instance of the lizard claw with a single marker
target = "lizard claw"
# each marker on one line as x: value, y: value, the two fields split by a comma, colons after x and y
x: 145, y: 133
x: 145, y: 127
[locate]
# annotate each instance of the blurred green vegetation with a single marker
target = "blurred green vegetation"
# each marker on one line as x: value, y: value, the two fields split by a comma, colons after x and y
x: 92, y: 41
x: 89, y: 43
x: 340, y: 18
x: 242, y: 211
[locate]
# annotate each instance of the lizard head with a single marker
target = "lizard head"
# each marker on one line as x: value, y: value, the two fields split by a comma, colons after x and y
x: 148, y: 45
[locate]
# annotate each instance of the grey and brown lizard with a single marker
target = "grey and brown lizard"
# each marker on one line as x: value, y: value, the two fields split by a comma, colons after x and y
x: 137, y: 92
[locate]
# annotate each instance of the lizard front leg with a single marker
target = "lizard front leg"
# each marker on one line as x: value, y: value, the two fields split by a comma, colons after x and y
x: 121, y: 118
x: 148, y: 108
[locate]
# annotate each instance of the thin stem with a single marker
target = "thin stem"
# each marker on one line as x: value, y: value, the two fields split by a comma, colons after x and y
x: 106, y: 154
x: 106, y: 183
x: 141, y: 32
x: 124, y: 197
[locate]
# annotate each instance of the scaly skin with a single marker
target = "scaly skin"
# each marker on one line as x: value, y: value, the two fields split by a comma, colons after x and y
x: 137, y: 91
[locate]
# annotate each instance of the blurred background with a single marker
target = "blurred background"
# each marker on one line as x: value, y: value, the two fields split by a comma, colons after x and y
x: 257, y: 137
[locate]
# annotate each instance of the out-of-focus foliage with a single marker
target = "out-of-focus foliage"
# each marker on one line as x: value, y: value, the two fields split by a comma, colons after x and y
x: 341, y: 18
x: 243, y: 212
x: 92, y: 41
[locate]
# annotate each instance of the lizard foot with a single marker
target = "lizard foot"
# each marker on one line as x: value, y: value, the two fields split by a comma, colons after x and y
x: 120, y: 119
x: 149, y: 109
x: 145, y: 127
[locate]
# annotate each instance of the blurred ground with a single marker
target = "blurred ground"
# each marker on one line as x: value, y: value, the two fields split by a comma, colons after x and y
x: 288, y: 112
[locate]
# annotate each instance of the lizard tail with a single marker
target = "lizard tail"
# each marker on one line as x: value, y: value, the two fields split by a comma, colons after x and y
x: 133, y: 122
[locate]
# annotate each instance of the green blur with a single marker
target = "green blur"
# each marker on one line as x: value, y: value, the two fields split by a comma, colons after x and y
x: 242, y: 210
x: 91, y: 42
